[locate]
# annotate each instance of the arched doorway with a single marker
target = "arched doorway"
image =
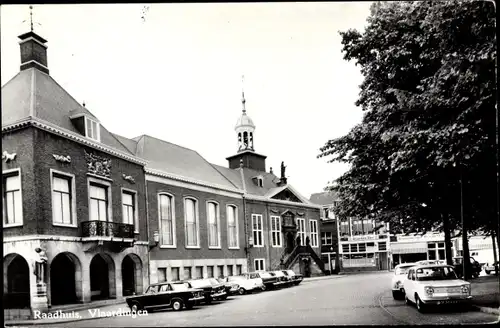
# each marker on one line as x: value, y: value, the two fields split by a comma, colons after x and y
x: 131, y: 275
x: 65, y: 279
x: 102, y: 277
x: 16, y: 282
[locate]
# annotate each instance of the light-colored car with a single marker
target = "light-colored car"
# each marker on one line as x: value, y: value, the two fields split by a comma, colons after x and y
x: 430, y: 262
x: 248, y: 282
x: 438, y: 284
x: 490, y: 268
x: 400, y: 272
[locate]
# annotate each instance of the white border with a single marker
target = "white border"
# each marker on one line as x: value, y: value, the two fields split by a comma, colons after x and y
x: 18, y: 170
x: 217, y: 210
x: 197, y: 213
x: 136, y: 204
x: 237, y: 226
x: 172, y: 207
x: 73, y: 198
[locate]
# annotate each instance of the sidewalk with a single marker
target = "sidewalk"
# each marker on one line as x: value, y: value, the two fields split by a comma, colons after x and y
x: 333, y: 276
x: 486, y: 293
x: 77, y: 312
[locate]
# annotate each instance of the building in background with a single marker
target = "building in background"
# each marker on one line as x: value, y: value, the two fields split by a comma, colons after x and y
x: 74, y: 197
x: 415, y: 247
x: 329, y: 230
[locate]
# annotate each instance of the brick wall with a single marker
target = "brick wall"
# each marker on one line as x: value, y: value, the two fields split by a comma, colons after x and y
x: 181, y: 252
x: 330, y: 226
x: 37, y: 197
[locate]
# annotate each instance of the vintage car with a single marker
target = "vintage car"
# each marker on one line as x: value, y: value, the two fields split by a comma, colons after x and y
x: 430, y: 262
x: 268, y: 279
x: 212, y: 289
x: 490, y: 268
x: 474, y: 266
x: 176, y: 295
x: 296, y: 278
x: 283, y: 279
x: 400, y: 271
x: 249, y: 282
x: 231, y: 286
x: 427, y: 285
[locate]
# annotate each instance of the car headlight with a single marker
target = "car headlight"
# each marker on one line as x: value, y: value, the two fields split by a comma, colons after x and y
x: 429, y: 290
x: 465, y: 289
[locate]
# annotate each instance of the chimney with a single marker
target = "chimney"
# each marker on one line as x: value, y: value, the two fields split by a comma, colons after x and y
x: 33, y: 52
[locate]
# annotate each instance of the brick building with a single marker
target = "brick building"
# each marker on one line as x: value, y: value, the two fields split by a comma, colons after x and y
x: 73, y: 196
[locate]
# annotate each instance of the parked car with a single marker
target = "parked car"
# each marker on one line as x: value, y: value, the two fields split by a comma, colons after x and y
x: 212, y: 289
x: 296, y: 278
x: 427, y: 285
x: 249, y: 282
x: 400, y: 271
x: 177, y: 295
x: 268, y: 280
x: 283, y: 280
x: 232, y: 287
x: 430, y: 262
x: 490, y: 268
x: 474, y: 266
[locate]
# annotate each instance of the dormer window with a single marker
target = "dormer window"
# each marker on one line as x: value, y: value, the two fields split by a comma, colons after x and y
x: 92, y: 129
x: 259, y: 181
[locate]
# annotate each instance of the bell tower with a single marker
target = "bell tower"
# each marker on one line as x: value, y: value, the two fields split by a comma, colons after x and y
x: 245, y: 131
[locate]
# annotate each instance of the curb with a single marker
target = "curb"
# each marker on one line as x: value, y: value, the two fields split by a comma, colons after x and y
x: 486, y: 309
x: 322, y: 278
x: 46, y: 322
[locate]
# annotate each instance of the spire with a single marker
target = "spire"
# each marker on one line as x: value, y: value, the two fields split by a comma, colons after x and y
x: 243, y: 101
x: 31, y: 18
x: 33, y: 49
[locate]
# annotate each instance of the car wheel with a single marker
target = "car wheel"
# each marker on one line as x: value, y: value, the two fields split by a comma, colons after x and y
x: 488, y: 272
x: 136, y: 306
x: 407, y: 300
x: 420, y: 305
x: 177, y: 304
x: 263, y: 288
x: 242, y: 291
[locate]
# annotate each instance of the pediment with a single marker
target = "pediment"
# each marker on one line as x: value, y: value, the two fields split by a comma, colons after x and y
x: 287, y: 195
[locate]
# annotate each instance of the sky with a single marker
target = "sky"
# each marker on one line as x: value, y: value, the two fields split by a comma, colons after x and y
x: 176, y: 74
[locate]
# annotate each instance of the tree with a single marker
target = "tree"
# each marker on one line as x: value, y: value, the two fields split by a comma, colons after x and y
x: 429, y: 97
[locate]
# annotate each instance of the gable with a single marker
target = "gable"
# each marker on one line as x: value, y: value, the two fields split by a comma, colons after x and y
x: 287, y: 195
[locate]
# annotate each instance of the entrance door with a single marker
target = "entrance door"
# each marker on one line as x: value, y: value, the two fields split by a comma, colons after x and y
x: 17, y: 286
x: 128, y: 276
x: 290, y: 242
x: 62, y: 280
x: 99, y: 278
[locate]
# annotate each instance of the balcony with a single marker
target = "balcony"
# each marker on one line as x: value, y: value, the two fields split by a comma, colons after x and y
x: 107, y: 229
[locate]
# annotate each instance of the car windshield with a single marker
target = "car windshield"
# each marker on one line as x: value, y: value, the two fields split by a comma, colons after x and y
x: 436, y: 273
x: 152, y: 289
x: 199, y: 283
x: 180, y: 286
x: 402, y: 270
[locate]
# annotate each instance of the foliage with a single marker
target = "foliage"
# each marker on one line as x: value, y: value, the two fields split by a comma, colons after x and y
x: 429, y: 100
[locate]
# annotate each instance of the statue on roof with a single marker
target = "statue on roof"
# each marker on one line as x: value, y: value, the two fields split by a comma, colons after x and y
x: 283, y: 167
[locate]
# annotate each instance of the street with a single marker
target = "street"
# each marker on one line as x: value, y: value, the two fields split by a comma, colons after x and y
x: 359, y: 299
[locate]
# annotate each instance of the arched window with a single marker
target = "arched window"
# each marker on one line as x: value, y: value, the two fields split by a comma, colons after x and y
x: 191, y: 222
x: 232, y: 226
x: 213, y: 224
x: 166, y: 220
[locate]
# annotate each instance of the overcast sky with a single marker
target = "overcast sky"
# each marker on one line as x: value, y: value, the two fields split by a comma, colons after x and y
x: 177, y: 74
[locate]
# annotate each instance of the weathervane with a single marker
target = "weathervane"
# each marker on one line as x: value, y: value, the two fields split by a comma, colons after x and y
x: 243, y: 101
x: 31, y: 19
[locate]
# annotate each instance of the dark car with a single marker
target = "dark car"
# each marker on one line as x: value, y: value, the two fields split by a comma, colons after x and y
x: 269, y: 280
x: 232, y: 287
x: 296, y: 278
x: 212, y: 289
x: 176, y: 295
x: 474, y: 266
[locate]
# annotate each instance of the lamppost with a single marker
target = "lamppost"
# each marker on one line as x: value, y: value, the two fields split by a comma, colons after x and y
x: 330, y: 260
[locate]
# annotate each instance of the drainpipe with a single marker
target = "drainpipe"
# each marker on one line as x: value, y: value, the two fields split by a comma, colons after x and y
x: 147, y: 230
x: 245, y: 221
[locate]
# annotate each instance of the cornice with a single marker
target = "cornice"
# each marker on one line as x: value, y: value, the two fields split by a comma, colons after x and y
x: 278, y: 201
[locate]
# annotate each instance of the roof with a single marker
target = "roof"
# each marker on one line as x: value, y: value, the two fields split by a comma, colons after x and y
x: 324, y: 198
x: 34, y: 94
x: 168, y: 157
x: 244, y: 120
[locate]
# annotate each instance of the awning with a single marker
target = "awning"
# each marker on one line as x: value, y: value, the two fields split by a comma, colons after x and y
x: 408, y: 248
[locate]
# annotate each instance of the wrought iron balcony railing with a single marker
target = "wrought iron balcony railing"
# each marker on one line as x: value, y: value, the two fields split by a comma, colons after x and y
x: 107, y: 229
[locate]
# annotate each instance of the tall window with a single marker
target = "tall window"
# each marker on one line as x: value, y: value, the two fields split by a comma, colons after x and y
x: 98, y: 202
x: 344, y: 227
x: 259, y: 264
x: 12, y: 202
x: 187, y: 272
x: 129, y: 210
x: 213, y: 224
x: 276, y: 231
x: 239, y: 268
x: 167, y: 220
x: 198, y: 272
x: 258, y: 238
x: 313, y: 232
x: 162, y: 274
x: 220, y: 269
x: 232, y: 226
x: 210, y: 271
x: 62, y: 211
x: 326, y: 238
x: 175, y: 273
x: 191, y: 215
x: 229, y: 270
x: 92, y: 129
x: 301, y: 223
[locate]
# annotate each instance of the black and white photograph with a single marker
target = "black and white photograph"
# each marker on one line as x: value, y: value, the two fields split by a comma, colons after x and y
x: 250, y: 164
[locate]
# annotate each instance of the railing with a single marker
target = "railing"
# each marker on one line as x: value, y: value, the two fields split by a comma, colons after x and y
x: 107, y: 229
x: 316, y: 258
